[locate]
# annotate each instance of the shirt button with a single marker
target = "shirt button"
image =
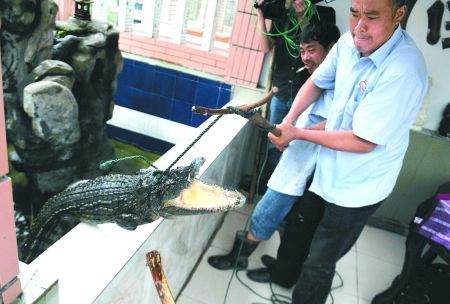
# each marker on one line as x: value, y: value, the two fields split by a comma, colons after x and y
x: 292, y: 68
x: 290, y: 81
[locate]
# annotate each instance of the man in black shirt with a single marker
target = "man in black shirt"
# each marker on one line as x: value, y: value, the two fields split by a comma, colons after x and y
x: 283, y: 38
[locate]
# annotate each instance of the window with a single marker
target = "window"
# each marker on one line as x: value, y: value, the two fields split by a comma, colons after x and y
x: 167, y: 18
x: 195, y: 21
x: 225, y: 23
x: 212, y: 18
x: 138, y: 16
x: 206, y: 23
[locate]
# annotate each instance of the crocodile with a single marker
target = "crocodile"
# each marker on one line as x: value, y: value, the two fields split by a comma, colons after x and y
x: 129, y: 201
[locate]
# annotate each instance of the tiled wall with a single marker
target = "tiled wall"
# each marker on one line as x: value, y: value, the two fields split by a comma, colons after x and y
x: 168, y: 93
x: 163, y: 93
x: 240, y: 64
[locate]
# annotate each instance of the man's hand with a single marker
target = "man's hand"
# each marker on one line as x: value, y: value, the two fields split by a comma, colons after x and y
x: 288, y: 132
x: 299, y: 6
x: 258, y: 10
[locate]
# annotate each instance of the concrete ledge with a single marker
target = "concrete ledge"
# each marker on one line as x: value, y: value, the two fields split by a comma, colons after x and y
x: 106, y: 264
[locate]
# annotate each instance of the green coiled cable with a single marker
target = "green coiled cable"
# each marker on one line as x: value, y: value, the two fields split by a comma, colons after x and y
x: 286, y: 33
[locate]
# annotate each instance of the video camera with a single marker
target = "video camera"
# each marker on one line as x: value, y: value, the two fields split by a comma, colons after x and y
x: 272, y: 9
x: 275, y: 9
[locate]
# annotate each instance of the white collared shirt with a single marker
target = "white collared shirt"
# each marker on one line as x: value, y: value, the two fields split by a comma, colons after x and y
x: 298, y: 161
x: 378, y: 98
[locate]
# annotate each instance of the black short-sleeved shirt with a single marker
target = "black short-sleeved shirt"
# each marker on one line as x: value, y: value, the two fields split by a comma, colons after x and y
x: 285, y: 66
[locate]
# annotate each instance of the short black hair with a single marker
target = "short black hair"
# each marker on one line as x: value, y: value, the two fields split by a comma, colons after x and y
x: 324, y: 33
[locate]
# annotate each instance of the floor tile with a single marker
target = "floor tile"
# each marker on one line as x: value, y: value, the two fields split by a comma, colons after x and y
x: 383, y: 245
x: 209, y: 285
x: 366, y: 270
x: 363, y: 301
x: 269, y: 247
x: 247, y: 208
x: 183, y: 299
x: 374, y: 275
x: 233, y: 222
x: 341, y: 298
x: 346, y: 268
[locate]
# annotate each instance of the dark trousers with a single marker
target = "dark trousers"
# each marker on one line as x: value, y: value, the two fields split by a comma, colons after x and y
x: 298, y: 233
x: 337, y: 231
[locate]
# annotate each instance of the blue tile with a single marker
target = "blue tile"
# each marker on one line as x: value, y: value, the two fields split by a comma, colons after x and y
x: 125, y: 76
x: 123, y: 97
x: 209, y: 82
x: 225, y: 86
x: 224, y: 98
x: 167, y: 71
x: 207, y: 95
x: 143, y: 78
x: 157, y: 145
x: 190, y: 76
x: 128, y: 61
x: 160, y: 69
x: 182, y: 112
x: 197, y: 120
x: 142, y: 64
x: 168, y: 93
x: 185, y: 90
x: 161, y: 106
x: 164, y: 84
x: 120, y: 97
x: 141, y: 101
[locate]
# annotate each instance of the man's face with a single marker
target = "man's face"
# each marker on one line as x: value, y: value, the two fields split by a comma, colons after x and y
x: 312, y: 53
x: 372, y: 23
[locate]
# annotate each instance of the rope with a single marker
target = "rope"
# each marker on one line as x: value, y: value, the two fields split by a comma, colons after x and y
x: 108, y: 164
x: 193, y: 143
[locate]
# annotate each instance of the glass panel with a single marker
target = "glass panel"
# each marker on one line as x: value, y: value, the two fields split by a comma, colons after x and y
x: 195, y: 21
x: 106, y: 11
x: 138, y: 16
x: 167, y: 18
x: 225, y: 14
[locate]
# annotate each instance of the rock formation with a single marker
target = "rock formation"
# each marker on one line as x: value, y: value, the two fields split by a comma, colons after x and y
x: 59, y: 79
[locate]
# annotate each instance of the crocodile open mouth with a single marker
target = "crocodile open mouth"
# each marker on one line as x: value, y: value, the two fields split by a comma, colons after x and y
x: 201, y: 198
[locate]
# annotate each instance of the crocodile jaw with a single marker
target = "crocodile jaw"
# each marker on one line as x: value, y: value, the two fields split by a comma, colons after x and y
x: 201, y: 198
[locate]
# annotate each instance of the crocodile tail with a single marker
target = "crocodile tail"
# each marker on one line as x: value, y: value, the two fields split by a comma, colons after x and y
x: 39, y: 240
x: 45, y: 230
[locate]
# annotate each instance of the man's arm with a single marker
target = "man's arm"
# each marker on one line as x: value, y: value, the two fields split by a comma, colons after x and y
x: 266, y: 42
x: 307, y: 94
x: 336, y: 140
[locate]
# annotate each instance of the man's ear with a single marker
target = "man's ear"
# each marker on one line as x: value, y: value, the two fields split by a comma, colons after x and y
x: 400, y: 13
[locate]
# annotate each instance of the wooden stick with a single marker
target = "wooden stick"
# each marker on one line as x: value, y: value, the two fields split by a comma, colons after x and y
x: 245, y: 107
x: 247, y: 111
x: 159, y: 278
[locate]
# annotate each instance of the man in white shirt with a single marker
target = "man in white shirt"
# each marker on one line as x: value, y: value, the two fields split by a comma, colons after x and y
x: 379, y: 79
x: 297, y: 163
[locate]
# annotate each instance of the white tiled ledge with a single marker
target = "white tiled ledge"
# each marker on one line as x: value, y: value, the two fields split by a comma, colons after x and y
x: 90, y: 259
x: 150, y: 125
